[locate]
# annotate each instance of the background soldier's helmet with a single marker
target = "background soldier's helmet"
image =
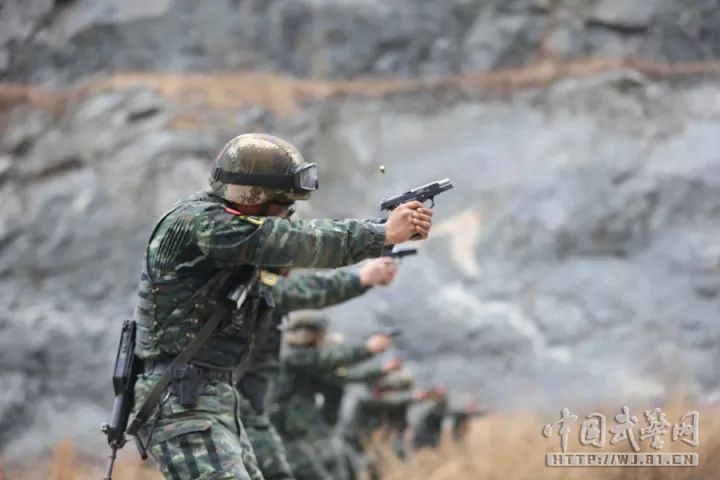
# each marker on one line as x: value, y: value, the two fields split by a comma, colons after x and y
x: 259, y: 155
x: 396, y: 381
x: 304, y: 327
x: 335, y: 338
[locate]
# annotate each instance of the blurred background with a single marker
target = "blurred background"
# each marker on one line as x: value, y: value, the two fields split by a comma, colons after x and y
x: 576, y: 263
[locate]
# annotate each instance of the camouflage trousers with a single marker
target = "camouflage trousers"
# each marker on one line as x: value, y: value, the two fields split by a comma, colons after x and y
x: 319, y: 458
x: 203, y: 442
x: 267, y: 444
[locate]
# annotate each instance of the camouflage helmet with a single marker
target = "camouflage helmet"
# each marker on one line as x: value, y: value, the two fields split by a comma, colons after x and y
x: 254, y: 168
x: 396, y: 381
x: 335, y: 338
x: 304, y: 327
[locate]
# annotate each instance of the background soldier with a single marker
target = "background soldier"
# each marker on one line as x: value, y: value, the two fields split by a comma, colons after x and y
x: 298, y: 291
x: 198, y: 254
x: 383, y: 409
x: 307, y: 365
x: 460, y: 418
x: 428, y: 429
x: 332, y: 392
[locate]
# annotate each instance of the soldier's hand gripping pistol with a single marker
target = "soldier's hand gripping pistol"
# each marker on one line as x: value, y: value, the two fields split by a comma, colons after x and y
x: 422, y: 194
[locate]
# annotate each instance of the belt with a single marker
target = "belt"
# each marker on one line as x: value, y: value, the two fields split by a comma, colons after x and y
x: 160, y: 365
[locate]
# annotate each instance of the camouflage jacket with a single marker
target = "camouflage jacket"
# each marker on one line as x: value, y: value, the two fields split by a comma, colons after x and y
x: 429, y: 426
x: 201, y: 250
x: 303, y: 373
x: 295, y: 292
x: 333, y: 390
x: 374, y: 410
x: 460, y: 420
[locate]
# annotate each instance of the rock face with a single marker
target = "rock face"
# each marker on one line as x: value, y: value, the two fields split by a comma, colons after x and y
x: 576, y: 261
x: 56, y: 42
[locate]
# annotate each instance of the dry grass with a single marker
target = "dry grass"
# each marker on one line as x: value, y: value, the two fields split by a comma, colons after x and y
x: 284, y: 95
x: 65, y: 463
x: 500, y: 447
x: 506, y: 447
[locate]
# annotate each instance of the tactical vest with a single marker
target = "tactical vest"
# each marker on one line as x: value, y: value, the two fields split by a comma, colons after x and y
x: 169, y: 313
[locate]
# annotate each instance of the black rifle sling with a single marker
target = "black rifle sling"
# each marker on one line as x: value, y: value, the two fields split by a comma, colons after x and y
x: 158, y: 390
x: 161, y: 385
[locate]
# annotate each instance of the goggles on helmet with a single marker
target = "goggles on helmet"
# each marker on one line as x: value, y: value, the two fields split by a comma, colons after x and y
x: 304, y: 179
x: 319, y: 326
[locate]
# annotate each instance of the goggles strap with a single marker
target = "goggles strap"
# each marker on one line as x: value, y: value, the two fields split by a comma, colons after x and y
x: 269, y: 180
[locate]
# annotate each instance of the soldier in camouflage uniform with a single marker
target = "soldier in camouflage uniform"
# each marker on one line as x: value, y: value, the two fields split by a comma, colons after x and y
x: 298, y: 291
x: 198, y: 254
x: 332, y: 392
x: 307, y: 365
x: 384, y: 409
x: 384, y: 406
x: 428, y: 429
x: 461, y: 417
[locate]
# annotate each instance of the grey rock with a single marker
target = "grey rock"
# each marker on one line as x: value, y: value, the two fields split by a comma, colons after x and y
x: 622, y: 14
x: 577, y: 225
x: 346, y: 39
x: 24, y: 127
x: 4, y: 60
x: 577, y: 254
x: 21, y: 18
x: 490, y: 36
x: 82, y: 15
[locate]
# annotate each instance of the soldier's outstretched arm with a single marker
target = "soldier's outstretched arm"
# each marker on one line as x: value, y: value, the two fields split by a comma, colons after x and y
x: 329, y: 357
x: 316, y: 290
x: 362, y: 373
x: 392, y: 399
x: 231, y: 239
x: 322, y: 289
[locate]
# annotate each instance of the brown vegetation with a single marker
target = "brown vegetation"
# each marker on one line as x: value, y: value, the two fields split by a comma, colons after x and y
x: 512, y: 447
x: 500, y: 447
x: 64, y: 463
x: 284, y: 94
